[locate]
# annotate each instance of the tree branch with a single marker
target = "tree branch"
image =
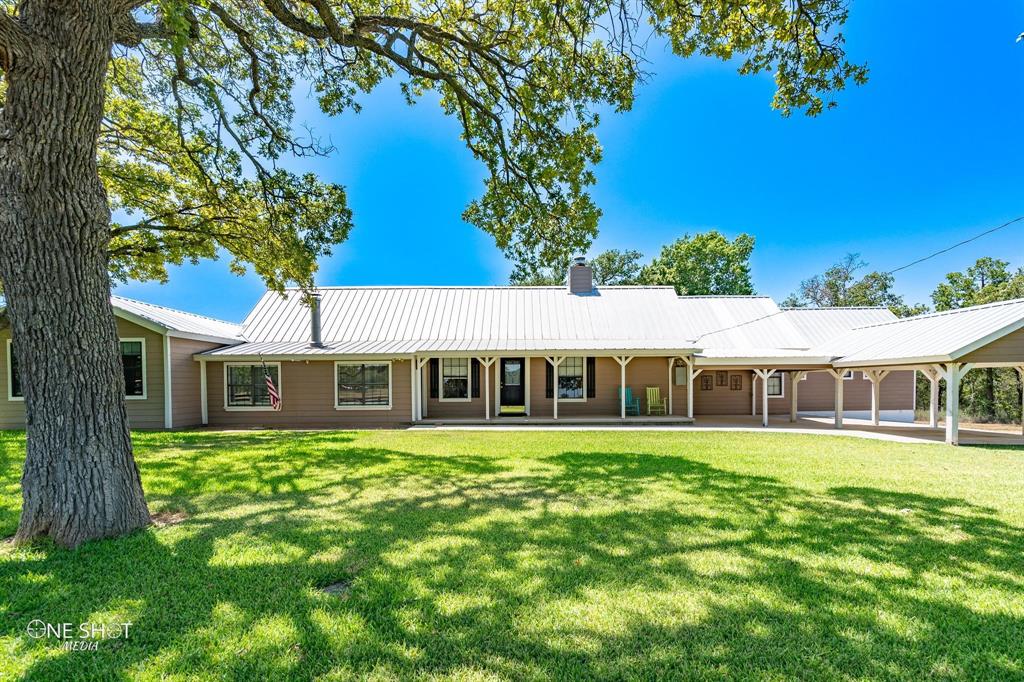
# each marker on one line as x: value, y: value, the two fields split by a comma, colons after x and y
x: 14, y: 41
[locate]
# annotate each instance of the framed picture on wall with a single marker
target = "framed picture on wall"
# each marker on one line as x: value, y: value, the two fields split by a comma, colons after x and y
x: 735, y: 382
x: 721, y: 378
x: 707, y: 382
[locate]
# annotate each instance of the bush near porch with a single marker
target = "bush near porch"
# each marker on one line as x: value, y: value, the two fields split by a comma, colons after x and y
x: 537, y: 555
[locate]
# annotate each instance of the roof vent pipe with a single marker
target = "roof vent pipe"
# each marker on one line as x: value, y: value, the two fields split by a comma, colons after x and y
x: 581, y: 276
x: 314, y: 320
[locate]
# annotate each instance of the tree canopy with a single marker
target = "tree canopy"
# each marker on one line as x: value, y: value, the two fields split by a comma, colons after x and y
x: 199, y: 121
x: 703, y: 264
x: 840, y: 286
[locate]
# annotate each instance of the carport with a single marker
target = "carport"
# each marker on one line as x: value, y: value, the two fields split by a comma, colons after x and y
x: 944, y: 346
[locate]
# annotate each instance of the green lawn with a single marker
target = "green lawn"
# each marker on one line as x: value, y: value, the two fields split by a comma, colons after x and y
x: 550, y: 555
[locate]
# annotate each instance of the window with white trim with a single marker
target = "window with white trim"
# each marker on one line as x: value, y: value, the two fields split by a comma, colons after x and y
x: 455, y: 379
x: 363, y: 384
x: 571, y: 379
x: 133, y: 360
x: 775, y: 386
x: 848, y: 375
x: 246, y: 385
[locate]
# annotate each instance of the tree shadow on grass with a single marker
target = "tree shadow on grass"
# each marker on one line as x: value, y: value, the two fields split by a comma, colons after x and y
x: 604, y: 565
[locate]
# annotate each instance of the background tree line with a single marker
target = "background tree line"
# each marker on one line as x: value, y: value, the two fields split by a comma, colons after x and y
x: 708, y: 263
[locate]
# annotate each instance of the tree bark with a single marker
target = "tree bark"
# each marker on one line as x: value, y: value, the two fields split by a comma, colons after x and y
x: 80, y: 480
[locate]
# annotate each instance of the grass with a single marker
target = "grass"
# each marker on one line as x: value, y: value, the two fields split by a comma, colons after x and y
x: 541, y: 555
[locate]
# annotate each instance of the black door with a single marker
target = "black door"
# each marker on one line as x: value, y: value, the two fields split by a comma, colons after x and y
x: 513, y: 394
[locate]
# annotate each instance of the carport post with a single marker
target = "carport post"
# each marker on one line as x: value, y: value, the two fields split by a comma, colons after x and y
x: 1021, y: 371
x: 796, y: 378
x: 764, y: 374
x: 953, y: 373
x: 934, y: 375
x: 875, y: 376
x: 837, y: 374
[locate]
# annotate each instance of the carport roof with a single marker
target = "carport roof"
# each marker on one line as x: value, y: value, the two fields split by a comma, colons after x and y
x: 937, y: 337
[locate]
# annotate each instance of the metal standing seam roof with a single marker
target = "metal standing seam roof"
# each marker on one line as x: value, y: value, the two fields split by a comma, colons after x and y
x: 819, y: 325
x: 399, y: 320
x: 178, y: 320
x: 934, y: 337
x: 726, y: 324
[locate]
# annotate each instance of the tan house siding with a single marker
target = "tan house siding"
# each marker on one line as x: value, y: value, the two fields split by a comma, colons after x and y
x: 641, y: 372
x: 816, y: 394
x: 307, y: 400
x: 1010, y: 348
x: 186, y: 408
x: 142, y: 414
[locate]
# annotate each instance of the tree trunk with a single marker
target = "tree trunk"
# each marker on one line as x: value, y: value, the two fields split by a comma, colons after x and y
x: 80, y: 480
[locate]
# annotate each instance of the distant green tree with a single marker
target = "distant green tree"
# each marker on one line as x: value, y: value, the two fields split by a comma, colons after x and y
x: 610, y: 268
x: 616, y: 267
x: 839, y: 286
x: 704, y: 263
x: 988, y: 394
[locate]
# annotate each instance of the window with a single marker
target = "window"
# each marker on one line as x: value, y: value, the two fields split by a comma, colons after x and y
x: 848, y: 375
x: 775, y: 386
x: 571, y: 383
x: 455, y: 379
x: 245, y: 387
x: 363, y: 385
x: 14, y: 391
x: 133, y: 358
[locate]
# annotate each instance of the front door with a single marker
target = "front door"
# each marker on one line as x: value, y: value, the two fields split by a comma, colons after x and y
x: 513, y: 393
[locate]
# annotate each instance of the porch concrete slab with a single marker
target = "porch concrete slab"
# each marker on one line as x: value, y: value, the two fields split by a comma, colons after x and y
x: 899, y: 432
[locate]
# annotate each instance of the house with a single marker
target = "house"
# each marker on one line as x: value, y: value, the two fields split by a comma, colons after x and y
x: 390, y: 356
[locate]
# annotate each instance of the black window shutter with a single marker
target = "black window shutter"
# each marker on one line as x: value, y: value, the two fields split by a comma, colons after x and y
x: 549, y: 380
x: 476, y: 378
x: 591, y: 378
x: 434, y: 369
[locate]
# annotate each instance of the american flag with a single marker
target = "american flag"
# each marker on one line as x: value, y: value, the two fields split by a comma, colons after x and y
x: 275, y: 397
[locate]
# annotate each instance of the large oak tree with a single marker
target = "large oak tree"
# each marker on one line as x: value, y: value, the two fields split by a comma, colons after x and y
x: 178, y: 114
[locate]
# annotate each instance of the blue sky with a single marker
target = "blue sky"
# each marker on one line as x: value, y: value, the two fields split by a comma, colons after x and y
x: 929, y: 152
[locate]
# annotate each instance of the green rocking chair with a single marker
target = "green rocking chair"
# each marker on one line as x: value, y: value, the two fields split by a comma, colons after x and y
x: 632, y: 404
x: 655, y: 403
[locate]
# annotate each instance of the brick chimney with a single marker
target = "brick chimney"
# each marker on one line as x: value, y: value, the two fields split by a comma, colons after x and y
x: 581, y: 277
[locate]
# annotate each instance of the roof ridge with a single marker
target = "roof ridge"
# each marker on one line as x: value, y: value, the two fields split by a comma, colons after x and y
x: 941, y: 313
x: 507, y: 287
x: 176, y: 310
x: 834, y: 307
x: 688, y: 296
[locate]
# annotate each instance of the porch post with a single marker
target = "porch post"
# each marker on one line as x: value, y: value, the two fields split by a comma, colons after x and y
x: 796, y: 378
x: 875, y: 376
x: 837, y: 375
x: 623, y: 360
x: 671, y: 363
x: 420, y: 403
x: 753, y: 394
x: 412, y: 388
x: 690, y: 376
x: 555, y: 361
x: 204, y: 409
x: 486, y: 362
